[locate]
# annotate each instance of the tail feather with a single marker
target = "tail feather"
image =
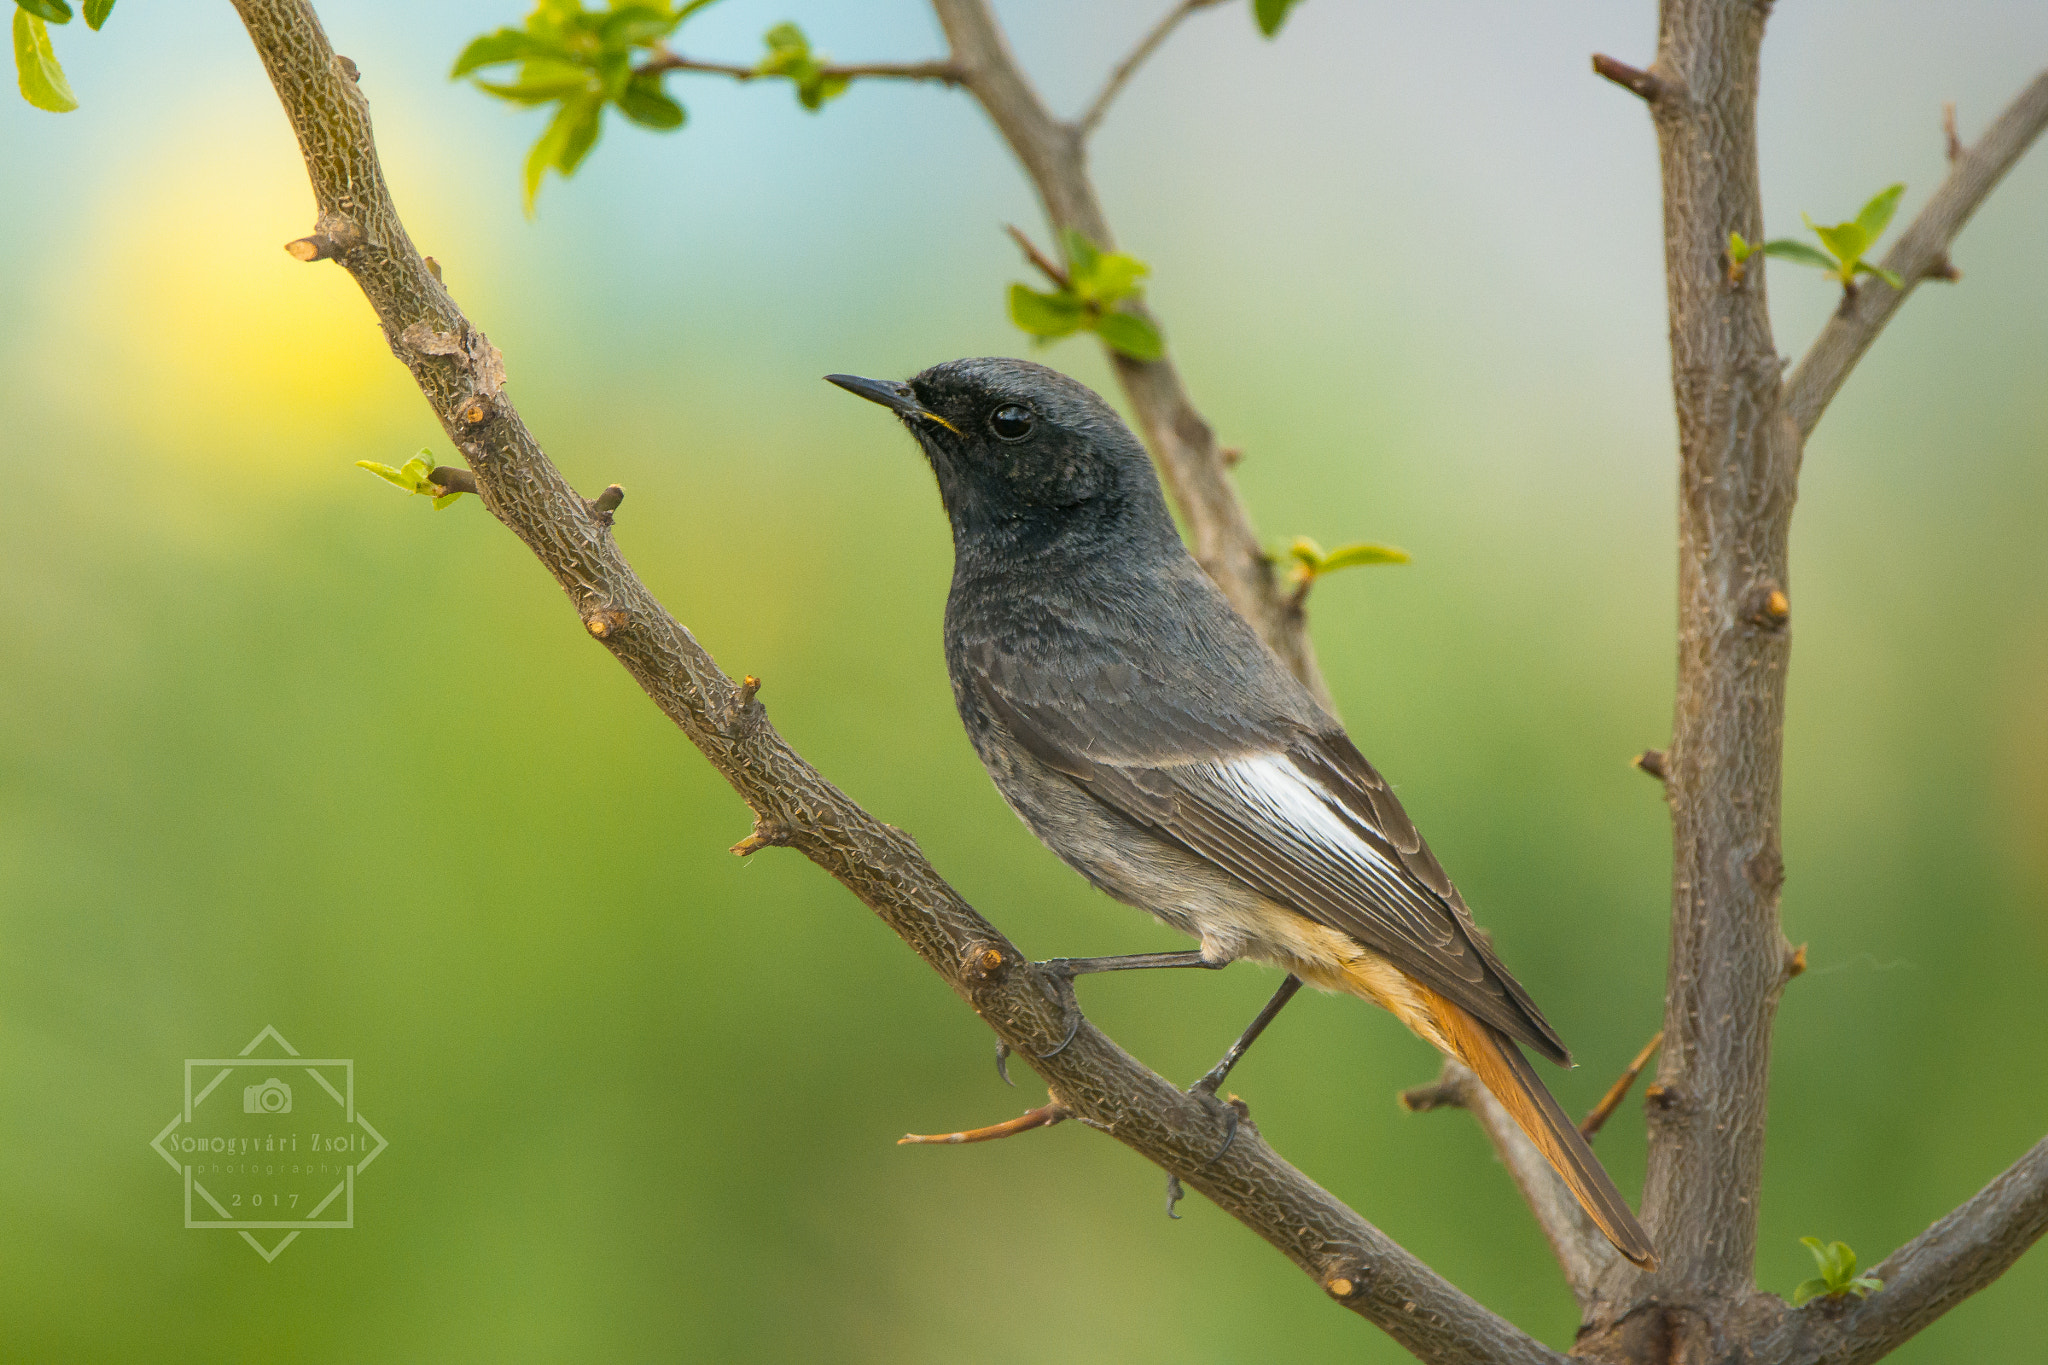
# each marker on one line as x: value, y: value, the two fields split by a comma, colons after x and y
x: 1505, y: 1072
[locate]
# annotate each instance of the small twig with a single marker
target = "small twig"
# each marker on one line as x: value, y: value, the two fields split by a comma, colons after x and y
x: 1618, y: 1092
x: 1972, y: 176
x: 1629, y: 78
x: 604, y: 504
x: 315, y: 248
x: 1655, y: 762
x: 1048, y: 267
x: 1045, y: 1116
x: 945, y: 73
x: 449, y: 479
x: 765, y: 835
x: 1126, y: 68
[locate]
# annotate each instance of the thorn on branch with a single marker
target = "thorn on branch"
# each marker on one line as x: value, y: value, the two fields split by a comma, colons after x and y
x: 605, y: 623
x: 742, y: 699
x: 1616, y: 1093
x: 349, y: 68
x: 452, y: 480
x: 1635, y: 81
x: 766, y: 834
x: 318, y: 247
x: 1941, y: 268
x: 433, y: 268
x: 1231, y: 456
x: 1048, y: 267
x: 1948, y: 128
x: 1655, y: 762
x: 1045, y: 1116
x: 604, y: 504
x: 1795, y: 965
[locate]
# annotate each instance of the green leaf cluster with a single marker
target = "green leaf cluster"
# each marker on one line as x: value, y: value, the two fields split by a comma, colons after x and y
x: 1312, y: 561
x: 1837, y: 1276
x: 35, y: 61
x: 581, y: 61
x: 1845, y: 242
x: 1097, y: 281
x: 1271, y: 14
x: 789, y: 54
x: 412, y: 476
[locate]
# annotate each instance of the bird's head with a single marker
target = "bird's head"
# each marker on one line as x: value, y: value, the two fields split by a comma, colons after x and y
x: 1021, y: 450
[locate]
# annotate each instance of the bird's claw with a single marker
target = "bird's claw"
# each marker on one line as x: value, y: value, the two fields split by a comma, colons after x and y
x: 1205, y: 1086
x: 1061, y: 972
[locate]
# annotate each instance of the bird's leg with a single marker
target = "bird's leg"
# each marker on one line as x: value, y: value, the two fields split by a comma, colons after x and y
x: 1065, y: 969
x: 1209, y: 1083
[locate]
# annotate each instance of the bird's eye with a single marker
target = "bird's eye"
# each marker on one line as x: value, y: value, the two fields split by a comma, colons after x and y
x: 1011, y: 422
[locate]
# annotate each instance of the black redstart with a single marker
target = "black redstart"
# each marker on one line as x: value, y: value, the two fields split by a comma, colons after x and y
x: 1147, y: 735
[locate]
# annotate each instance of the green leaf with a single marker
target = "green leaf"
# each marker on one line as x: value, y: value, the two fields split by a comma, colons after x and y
x: 1738, y: 250
x: 1352, y: 556
x: 585, y: 124
x: 96, y: 12
x: 1808, y: 1289
x: 648, y: 105
x: 42, y: 80
x: 636, y: 26
x: 1845, y: 241
x: 1307, y: 551
x: 1866, y: 268
x: 1785, y: 249
x: 1046, y: 315
x: 1113, y: 278
x: 568, y: 137
x: 446, y: 500
x: 1083, y: 256
x: 1271, y: 14
x: 1131, y: 334
x: 506, y: 45
x: 56, y: 11
x: 386, y: 472
x: 1876, y: 215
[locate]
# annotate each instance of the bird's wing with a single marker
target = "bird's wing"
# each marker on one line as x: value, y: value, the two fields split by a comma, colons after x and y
x: 1281, y: 800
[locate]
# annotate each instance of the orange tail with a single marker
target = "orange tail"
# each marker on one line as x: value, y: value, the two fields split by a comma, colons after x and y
x: 1503, y: 1069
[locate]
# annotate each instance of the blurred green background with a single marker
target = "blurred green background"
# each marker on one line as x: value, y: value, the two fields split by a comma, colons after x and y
x: 279, y: 746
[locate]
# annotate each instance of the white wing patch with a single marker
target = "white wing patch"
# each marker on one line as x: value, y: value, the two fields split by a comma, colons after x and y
x: 1272, y: 784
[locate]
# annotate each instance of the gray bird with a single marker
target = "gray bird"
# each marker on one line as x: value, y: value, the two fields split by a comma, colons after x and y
x: 1142, y: 729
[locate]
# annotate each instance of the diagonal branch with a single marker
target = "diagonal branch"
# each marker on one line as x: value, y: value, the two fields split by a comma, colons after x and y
x: 1196, y: 473
x: 1920, y: 252
x: 463, y: 378
x: 1937, y: 1270
x: 1128, y: 67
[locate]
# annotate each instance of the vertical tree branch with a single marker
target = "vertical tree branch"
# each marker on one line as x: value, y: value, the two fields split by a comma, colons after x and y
x: 1054, y: 155
x: 1738, y: 471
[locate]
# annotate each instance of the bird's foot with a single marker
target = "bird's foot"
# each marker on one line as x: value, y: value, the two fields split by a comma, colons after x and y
x: 1234, y: 1111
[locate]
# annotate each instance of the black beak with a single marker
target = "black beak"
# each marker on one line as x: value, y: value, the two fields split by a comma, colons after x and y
x: 891, y: 394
